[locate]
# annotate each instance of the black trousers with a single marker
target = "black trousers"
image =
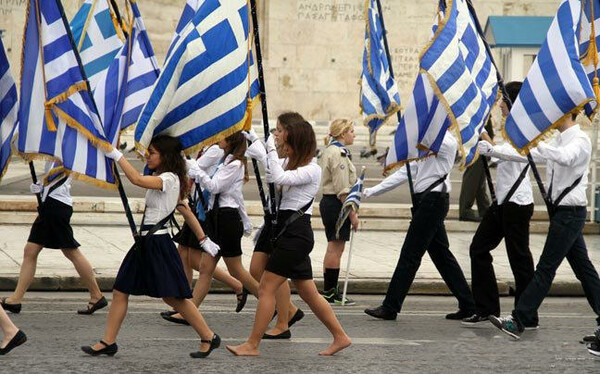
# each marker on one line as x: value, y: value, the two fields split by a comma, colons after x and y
x: 427, y: 233
x: 565, y: 239
x: 510, y: 222
x: 474, y: 189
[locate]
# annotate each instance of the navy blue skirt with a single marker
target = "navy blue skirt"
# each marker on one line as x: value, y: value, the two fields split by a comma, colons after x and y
x: 155, y: 271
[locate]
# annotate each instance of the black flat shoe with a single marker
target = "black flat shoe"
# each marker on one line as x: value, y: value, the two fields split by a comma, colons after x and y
x: 460, y: 315
x: 13, y: 308
x: 381, y: 312
x: 91, y: 308
x: 241, y: 300
x: 297, y: 317
x: 168, y: 313
x: 109, y: 349
x: 287, y: 334
x: 180, y: 321
x: 16, y: 341
x: 215, y: 343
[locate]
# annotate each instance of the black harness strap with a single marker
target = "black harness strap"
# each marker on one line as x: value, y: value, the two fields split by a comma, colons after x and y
x: 291, y: 219
x: 516, y: 185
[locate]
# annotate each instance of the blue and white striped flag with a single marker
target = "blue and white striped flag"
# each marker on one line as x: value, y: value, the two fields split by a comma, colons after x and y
x: 207, y: 88
x: 379, y: 97
x: 57, y: 115
x: 462, y: 75
x: 126, y: 85
x: 352, y: 202
x: 98, y: 37
x: 190, y: 9
x: 557, y: 83
x: 589, y: 39
x: 8, y: 111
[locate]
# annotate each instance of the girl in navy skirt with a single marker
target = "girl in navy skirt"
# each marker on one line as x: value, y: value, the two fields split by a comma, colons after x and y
x: 299, y: 179
x: 154, y: 268
x: 287, y: 313
x: 224, y: 223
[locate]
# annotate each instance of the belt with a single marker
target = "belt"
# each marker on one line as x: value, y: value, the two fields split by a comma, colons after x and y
x: 567, y: 208
x: 158, y: 232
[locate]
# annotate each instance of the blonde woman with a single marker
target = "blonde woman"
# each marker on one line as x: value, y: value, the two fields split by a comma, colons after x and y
x: 339, y: 175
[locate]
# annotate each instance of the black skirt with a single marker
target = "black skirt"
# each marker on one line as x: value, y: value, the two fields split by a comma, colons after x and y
x: 224, y: 227
x: 187, y: 238
x: 290, y: 257
x: 330, y: 207
x: 52, y: 227
x: 155, y: 271
x: 263, y: 243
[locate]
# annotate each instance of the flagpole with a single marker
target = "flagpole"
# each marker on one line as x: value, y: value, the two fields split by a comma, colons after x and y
x: 348, y: 267
x: 389, y: 58
x: 128, y: 214
x: 509, y: 104
x: 34, y: 178
x: 265, y: 113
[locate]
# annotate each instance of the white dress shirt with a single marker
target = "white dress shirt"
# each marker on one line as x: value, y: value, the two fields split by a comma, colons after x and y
x: 227, y: 181
x: 299, y: 186
x: 61, y: 193
x: 425, y: 172
x: 209, y: 161
x: 568, y: 157
x: 160, y: 203
x: 507, y: 174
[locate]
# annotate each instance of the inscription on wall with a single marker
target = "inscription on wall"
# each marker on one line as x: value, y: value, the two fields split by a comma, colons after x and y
x: 7, y: 6
x: 332, y: 11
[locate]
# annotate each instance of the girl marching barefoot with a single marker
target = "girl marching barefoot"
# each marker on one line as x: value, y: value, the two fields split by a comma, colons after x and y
x: 153, y: 267
x: 52, y: 229
x: 299, y: 179
x: 224, y: 223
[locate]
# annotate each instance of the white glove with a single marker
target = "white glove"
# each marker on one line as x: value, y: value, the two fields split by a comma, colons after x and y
x: 485, y: 148
x: 271, y: 144
x: 36, y: 188
x: 251, y: 135
x: 114, y: 155
x: 367, y: 193
x: 201, y: 177
x: 192, y: 168
x: 257, y: 151
x: 210, y: 247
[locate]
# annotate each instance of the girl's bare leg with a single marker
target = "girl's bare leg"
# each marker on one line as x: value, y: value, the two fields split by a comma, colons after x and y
x: 8, y: 328
x: 85, y: 271
x: 116, y: 315
x: 28, y: 267
x: 193, y: 316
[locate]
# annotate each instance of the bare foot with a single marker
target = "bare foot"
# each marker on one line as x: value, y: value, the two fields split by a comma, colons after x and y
x: 243, y: 350
x: 336, y: 346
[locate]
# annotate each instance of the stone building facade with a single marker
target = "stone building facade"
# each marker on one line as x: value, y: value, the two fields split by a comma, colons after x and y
x: 312, y: 48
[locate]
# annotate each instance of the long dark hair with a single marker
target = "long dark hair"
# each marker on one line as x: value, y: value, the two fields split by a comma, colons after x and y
x: 303, y: 142
x: 171, y: 160
x: 237, y: 146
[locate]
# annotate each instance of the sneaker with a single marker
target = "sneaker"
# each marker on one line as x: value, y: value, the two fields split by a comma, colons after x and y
x: 532, y: 327
x: 339, y: 300
x: 508, y: 325
x: 330, y: 295
x: 475, y: 319
x: 588, y: 339
x: 594, y: 348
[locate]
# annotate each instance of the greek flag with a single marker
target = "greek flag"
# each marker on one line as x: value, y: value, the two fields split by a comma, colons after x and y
x: 379, y: 97
x: 557, y: 83
x: 125, y: 86
x: 462, y: 76
x: 190, y: 9
x: 424, y: 121
x: 8, y: 111
x: 57, y: 115
x: 98, y: 37
x: 352, y: 202
x: 207, y: 88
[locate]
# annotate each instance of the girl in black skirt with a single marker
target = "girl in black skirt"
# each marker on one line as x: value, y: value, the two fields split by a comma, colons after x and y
x: 223, y: 220
x: 154, y: 268
x: 287, y: 313
x: 299, y: 179
x: 52, y: 229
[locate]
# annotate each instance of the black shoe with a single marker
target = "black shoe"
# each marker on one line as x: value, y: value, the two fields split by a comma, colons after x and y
x: 91, y: 308
x: 470, y: 216
x: 109, y: 349
x: 474, y: 320
x: 588, y: 339
x: 382, y: 312
x: 287, y: 334
x: 241, y: 300
x: 215, y: 343
x: 297, y: 317
x: 168, y: 313
x: 508, y: 325
x: 460, y: 315
x: 16, y: 341
x: 594, y: 348
x: 13, y: 308
x: 180, y: 321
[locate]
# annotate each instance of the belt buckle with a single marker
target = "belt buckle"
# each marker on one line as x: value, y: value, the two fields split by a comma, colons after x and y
x: 300, y: 213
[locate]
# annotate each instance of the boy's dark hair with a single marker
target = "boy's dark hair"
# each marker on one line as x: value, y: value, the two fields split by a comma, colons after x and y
x: 512, y: 90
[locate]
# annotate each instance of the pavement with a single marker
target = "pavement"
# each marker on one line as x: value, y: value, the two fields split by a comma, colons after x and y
x: 419, y: 341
